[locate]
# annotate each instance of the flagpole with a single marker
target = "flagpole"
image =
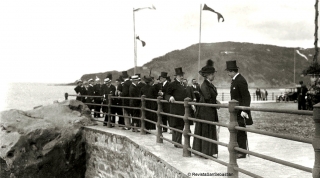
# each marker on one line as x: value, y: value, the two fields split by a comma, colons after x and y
x: 135, y: 46
x: 294, y: 66
x: 199, y: 44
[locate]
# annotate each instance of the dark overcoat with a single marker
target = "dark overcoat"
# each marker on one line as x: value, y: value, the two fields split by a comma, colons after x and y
x: 179, y: 92
x: 239, y: 91
x: 134, y: 92
x: 90, y: 92
x: 125, y: 92
x: 97, y: 92
x: 77, y: 89
x: 150, y: 92
x: 208, y: 94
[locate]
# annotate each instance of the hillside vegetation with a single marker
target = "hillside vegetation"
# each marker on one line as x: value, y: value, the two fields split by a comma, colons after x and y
x: 262, y: 65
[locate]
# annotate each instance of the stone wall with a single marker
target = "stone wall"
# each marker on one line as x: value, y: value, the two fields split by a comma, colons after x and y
x: 111, y: 155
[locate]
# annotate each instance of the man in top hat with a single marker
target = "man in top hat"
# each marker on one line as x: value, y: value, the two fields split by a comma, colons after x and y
x: 302, y: 92
x: 163, y: 87
x: 97, y: 100
x: 134, y: 91
x: 176, y: 92
x: 239, y: 91
x: 126, y: 102
x: 78, y: 89
x: 90, y: 92
x: 107, y: 90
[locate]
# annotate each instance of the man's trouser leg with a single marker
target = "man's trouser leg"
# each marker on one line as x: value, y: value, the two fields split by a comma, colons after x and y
x: 126, y: 119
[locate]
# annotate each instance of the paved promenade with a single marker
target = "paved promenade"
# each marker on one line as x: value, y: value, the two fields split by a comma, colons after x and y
x: 296, y: 152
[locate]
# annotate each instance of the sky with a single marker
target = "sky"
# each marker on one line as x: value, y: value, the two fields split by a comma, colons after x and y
x: 57, y: 41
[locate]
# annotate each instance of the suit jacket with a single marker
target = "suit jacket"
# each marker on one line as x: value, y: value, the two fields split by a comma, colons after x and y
x: 77, y: 89
x: 90, y: 92
x: 134, y: 91
x: 125, y: 92
x: 239, y: 91
x: 109, y: 90
x: 140, y: 85
x: 164, y: 89
x: 97, y: 92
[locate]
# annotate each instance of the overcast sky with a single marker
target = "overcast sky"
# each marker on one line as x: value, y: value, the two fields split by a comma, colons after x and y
x: 57, y: 41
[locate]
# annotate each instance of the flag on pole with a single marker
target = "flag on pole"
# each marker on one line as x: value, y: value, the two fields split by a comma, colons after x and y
x: 302, y: 55
x: 143, y: 43
x: 205, y: 7
x: 138, y: 9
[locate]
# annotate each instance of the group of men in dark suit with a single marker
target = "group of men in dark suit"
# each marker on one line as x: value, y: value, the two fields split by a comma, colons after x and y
x: 176, y: 90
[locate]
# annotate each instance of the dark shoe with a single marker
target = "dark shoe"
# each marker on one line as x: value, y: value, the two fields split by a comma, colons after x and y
x: 177, y: 146
x: 239, y: 156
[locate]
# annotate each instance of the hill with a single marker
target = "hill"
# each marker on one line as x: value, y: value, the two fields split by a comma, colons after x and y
x: 262, y: 65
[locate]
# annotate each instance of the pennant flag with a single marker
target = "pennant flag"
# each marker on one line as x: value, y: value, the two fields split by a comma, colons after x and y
x: 143, y: 43
x: 138, y: 9
x: 302, y: 55
x: 205, y: 7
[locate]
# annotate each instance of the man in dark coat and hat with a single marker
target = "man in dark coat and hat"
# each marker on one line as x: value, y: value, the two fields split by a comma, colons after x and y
x: 97, y: 100
x: 78, y: 89
x: 90, y: 92
x: 134, y: 91
x: 176, y: 92
x: 163, y: 87
x: 126, y: 102
x: 109, y: 89
x: 239, y: 91
x: 150, y: 91
x: 118, y: 101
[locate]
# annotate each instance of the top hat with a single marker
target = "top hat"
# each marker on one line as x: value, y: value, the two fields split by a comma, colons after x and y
x: 147, y: 79
x: 109, y: 75
x: 208, y: 69
x: 231, y: 65
x: 179, y: 71
x: 125, y: 74
x: 120, y: 79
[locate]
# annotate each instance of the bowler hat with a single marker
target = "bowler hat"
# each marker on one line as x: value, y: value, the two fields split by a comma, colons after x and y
x: 231, y: 65
x: 125, y: 74
x: 208, y: 69
x: 179, y: 71
x: 147, y: 79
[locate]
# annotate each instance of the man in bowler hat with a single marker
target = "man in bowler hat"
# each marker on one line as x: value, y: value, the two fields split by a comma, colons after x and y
x: 176, y: 92
x: 239, y: 91
x: 134, y: 91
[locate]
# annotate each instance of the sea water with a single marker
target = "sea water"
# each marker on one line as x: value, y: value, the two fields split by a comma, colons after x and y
x: 26, y: 96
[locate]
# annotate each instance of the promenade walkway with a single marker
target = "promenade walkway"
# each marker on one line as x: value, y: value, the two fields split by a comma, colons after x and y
x: 296, y: 152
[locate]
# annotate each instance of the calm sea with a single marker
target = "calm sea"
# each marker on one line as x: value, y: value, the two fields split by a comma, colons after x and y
x: 25, y: 96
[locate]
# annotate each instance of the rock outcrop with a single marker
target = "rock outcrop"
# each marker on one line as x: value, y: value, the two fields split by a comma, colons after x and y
x: 44, y: 142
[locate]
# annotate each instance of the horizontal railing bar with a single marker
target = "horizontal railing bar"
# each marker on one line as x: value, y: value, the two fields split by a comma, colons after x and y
x: 208, y: 122
x: 176, y: 102
x: 276, y: 160
x: 155, y: 123
x: 129, y: 107
x: 137, y: 118
x: 209, y: 157
x: 91, y: 96
x: 150, y: 110
x: 284, y: 136
x: 177, y: 130
x: 209, y: 140
x: 209, y: 105
x: 172, y: 115
x: 175, y: 143
x: 97, y: 120
x: 150, y: 132
x: 247, y: 172
x: 168, y: 127
x: 288, y: 111
x: 95, y: 104
x: 122, y: 97
x: 150, y: 99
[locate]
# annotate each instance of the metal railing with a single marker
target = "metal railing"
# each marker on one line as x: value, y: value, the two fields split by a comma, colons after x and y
x: 233, y: 147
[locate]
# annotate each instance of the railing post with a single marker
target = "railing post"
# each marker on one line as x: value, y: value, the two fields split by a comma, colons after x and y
x: 66, y: 96
x: 109, y: 111
x: 143, y: 114
x: 316, y: 141
x: 222, y: 96
x: 233, y: 138
x: 186, y: 145
x: 159, y: 122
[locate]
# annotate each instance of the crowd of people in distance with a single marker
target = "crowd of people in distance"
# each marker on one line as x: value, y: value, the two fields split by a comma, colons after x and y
x: 172, y: 91
x: 261, y: 95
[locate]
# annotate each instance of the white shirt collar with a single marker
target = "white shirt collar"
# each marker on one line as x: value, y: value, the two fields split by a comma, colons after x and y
x: 134, y: 84
x: 164, y: 83
x: 235, y: 76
